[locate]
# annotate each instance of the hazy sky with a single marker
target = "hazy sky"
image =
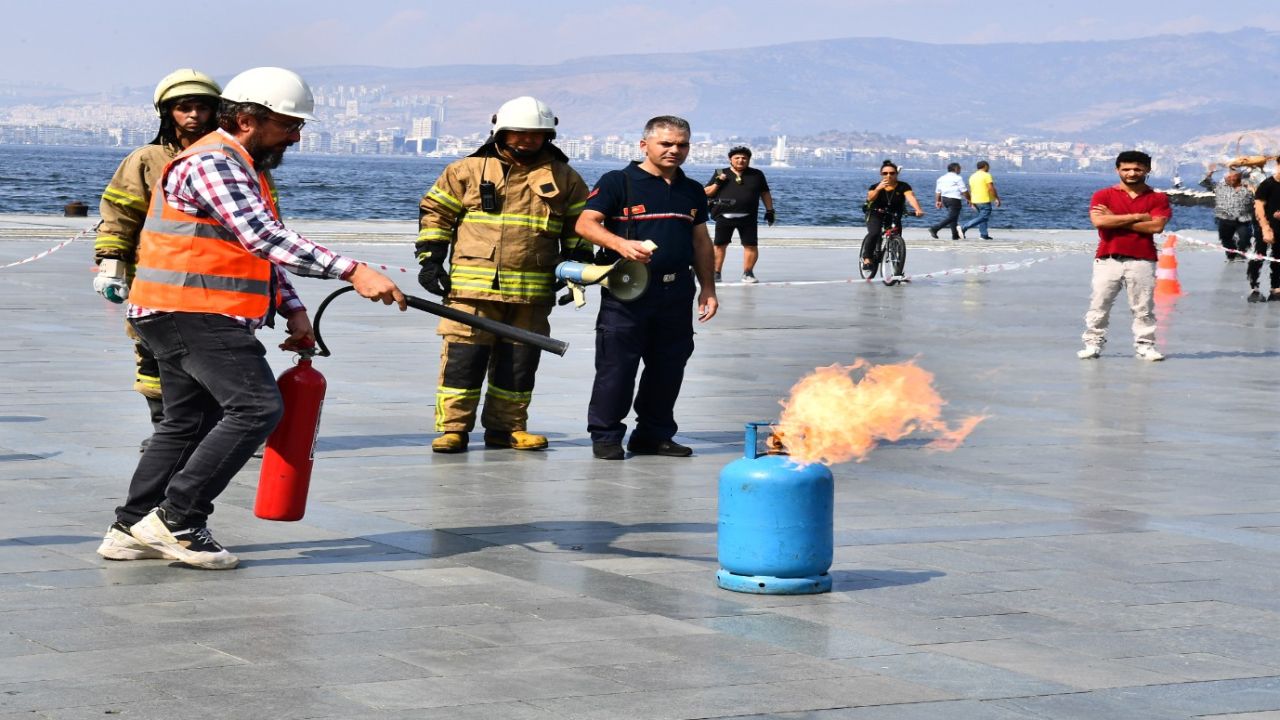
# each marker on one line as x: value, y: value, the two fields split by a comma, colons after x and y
x: 98, y: 45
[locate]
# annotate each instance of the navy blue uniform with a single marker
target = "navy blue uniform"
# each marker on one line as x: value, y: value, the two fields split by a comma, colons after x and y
x: 657, y: 327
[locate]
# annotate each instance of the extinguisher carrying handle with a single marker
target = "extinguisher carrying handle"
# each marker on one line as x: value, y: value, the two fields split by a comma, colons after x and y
x: 501, y: 329
x: 751, y: 446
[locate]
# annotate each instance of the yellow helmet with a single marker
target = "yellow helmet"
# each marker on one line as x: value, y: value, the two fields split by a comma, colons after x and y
x: 183, y: 83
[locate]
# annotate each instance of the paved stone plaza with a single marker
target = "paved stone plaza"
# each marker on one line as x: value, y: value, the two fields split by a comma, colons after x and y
x: 1104, y: 546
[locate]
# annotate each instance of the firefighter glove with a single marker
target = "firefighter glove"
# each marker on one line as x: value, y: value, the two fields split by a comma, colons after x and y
x: 433, y: 277
x: 769, y: 217
x: 110, y: 281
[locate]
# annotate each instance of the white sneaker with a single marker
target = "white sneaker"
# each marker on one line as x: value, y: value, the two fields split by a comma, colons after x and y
x: 194, y: 546
x: 118, y: 544
x: 1148, y: 352
x: 1090, y: 352
x: 749, y: 278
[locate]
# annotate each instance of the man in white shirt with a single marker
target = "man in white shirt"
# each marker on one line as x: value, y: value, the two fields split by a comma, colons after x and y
x: 949, y: 192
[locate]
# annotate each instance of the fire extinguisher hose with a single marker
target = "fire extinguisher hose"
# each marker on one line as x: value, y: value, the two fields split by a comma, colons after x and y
x: 501, y: 329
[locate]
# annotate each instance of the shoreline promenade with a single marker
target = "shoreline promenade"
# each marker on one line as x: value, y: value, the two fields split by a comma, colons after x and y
x: 1106, y: 545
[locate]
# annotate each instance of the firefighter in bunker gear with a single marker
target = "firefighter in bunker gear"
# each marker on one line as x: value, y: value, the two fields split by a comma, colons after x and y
x: 186, y: 101
x: 506, y: 215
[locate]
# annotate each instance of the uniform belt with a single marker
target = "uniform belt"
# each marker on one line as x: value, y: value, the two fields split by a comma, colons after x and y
x: 1117, y: 256
x: 672, y: 277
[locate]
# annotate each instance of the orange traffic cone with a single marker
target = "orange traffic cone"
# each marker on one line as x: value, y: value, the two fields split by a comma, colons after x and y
x: 1167, y: 270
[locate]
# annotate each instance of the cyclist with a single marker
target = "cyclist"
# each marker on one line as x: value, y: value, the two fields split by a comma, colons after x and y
x: 886, y: 202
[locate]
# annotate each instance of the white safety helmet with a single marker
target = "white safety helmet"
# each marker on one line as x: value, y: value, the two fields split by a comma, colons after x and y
x: 525, y: 113
x: 185, y: 83
x: 277, y: 89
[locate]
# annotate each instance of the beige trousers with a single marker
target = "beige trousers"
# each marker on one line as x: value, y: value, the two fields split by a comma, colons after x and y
x: 1139, y: 278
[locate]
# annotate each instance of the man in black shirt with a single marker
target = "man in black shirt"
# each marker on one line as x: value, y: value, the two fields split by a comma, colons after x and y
x: 738, y: 190
x: 1266, y: 206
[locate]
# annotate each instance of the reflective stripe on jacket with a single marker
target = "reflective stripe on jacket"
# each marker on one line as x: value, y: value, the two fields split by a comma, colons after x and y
x: 124, y: 202
x: 509, y: 255
x: 188, y: 263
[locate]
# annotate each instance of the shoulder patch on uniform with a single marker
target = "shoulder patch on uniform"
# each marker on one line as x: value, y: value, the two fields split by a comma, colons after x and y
x: 634, y: 210
x: 594, y: 192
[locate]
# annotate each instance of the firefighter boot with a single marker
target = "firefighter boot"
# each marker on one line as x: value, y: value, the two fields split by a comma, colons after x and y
x: 450, y: 442
x: 515, y: 439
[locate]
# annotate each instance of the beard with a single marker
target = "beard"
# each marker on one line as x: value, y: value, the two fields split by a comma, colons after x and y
x: 266, y: 158
x: 269, y: 160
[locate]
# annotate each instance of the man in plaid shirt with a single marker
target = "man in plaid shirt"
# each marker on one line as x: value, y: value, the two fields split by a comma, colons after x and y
x: 1232, y: 211
x: 201, y: 291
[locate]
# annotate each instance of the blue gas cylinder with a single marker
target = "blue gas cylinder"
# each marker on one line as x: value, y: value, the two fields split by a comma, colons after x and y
x: 776, y: 524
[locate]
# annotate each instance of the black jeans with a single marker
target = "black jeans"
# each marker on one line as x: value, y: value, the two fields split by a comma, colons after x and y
x: 657, y: 328
x: 876, y: 223
x: 1254, y: 269
x: 1234, y: 235
x: 220, y: 403
x: 953, y: 217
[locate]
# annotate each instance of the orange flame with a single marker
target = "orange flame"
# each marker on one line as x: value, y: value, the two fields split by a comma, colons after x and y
x: 831, y: 418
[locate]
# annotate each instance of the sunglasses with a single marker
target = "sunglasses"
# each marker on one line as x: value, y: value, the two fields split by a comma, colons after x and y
x: 888, y: 173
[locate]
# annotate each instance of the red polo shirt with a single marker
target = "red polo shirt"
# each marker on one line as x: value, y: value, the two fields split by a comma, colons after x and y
x: 1124, y: 241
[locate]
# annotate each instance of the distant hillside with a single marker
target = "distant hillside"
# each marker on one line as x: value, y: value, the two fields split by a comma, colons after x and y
x: 1167, y: 88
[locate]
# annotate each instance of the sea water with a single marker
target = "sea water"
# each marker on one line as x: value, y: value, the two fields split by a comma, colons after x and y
x: 42, y: 179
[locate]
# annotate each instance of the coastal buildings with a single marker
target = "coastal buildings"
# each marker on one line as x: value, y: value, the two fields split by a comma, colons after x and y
x: 359, y: 119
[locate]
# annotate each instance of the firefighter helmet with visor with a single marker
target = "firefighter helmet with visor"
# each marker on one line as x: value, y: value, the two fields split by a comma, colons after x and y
x: 525, y: 114
x: 185, y: 83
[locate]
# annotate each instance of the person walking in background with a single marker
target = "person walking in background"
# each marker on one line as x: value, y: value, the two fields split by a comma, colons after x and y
x: 949, y: 191
x: 211, y: 270
x: 739, y: 189
x: 1232, y: 212
x: 982, y: 196
x: 651, y: 200
x: 1266, y: 208
x: 1127, y: 215
x: 186, y: 101
x: 507, y: 212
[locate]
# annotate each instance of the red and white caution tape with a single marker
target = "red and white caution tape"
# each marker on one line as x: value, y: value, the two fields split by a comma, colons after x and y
x: 981, y: 269
x: 1218, y: 246
x: 50, y: 251
x: 385, y: 267
x: 86, y: 231
x: 970, y: 270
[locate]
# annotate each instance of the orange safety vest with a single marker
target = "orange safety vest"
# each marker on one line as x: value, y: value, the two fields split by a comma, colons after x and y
x: 188, y: 263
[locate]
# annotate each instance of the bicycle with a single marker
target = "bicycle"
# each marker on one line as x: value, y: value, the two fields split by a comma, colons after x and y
x: 888, y: 253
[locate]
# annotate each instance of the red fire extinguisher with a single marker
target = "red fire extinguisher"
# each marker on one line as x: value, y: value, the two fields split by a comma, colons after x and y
x: 286, y: 464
